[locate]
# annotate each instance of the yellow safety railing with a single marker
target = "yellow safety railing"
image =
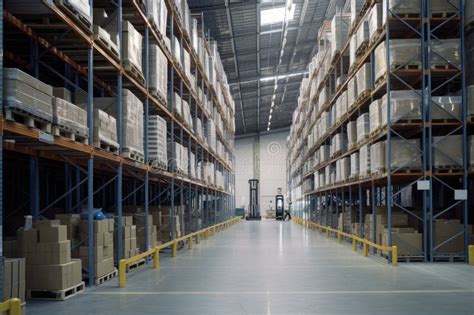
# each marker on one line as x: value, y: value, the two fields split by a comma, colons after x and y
x: 11, y: 306
x: 155, y: 252
x: 355, y: 239
x: 471, y: 255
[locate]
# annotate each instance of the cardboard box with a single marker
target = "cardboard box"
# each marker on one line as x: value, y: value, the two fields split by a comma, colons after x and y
x: 126, y: 220
x: 98, y: 253
x: 108, y: 239
x: 14, y: 285
x: 72, y: 223
x: 407, y: 240
x: 444, y: 230
x: 46, y: 223
x: 55, y: 233
x: 104, y: 267
x: 54, y: 277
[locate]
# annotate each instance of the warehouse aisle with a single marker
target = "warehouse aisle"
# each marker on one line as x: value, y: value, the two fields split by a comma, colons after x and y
x: 273, y: 267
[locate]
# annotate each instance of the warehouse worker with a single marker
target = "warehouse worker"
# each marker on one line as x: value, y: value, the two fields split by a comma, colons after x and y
x: 287, y: 214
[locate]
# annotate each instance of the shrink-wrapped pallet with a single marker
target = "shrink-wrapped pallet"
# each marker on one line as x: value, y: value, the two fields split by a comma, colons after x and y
x: 338, y: 144
x: 375, y: 21
x: 405, y: 154
x: 328, y: 175
x: 354, y: 165
x: 342, y: 169
x: 352, y: 50
x: 70, y: 117
x: 324, y: 96
x: 446, y: 107
x: 132, y: 46
x: 324, y: 153
x: 37, y: 7
x: 351, y: 93
x: 446, y: 53
x: 448, y: 152
x: 177, y: 49
x: 24, y: 93
x: 356, y: 7
x: 377, y: 157
x: 333, y: 116
x: 105, y: 129
x: 363, y: 35
x: 341, y: 106
x: 322, y: 178
x: 404, y: 105
x: 339, y: 28
x: 404, y: 53
x: 157, y: 141
x: 401, y: 7
x: 316, y: 181
x: 157, y: 15
x: 158, y: 71
x: 325, y: 124
x: 375, y: 115
x: 363, y: 79
x: 351, y: 134
x: 364, y: 160
x: 363, y: 127
x: 440, y: 8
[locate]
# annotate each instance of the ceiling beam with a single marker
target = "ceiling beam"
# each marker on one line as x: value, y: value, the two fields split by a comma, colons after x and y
x: 257, y: 11
x: 264, y: 77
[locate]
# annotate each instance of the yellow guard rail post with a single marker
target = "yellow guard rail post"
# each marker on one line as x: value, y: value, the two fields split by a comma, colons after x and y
x: 155, y: 252
x: 365, y: 243
x: 11, y: 306
x: 470, y: 251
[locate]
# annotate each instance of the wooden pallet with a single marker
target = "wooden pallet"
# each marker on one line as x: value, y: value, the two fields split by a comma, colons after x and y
x: 156, y: 93
x: 362, y: 49
x: 444, y: 67
x: 448, y: 258
x: 448, y: 169
x: 134, y: 71
x: 136, y: 265
x: 75, y: 15
x: 159, y: 165
x: 409, y: 15
x: 107, y: 277
x: 59, y: 295
x: 133, y: 155
x: 409, y: 66
x: 66, y: 132
x: 27, y: 119
x: 375, y: 37
x: 106, y: 44
x: 362, y: 96
x: 103, y: 145
x: 446, y: 14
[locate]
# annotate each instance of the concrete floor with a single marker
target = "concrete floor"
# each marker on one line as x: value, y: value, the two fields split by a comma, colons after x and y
x: 272, y: 267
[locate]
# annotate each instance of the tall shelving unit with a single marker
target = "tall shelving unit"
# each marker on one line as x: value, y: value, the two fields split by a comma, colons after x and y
x: 73, y: 176
x: 435, y: 192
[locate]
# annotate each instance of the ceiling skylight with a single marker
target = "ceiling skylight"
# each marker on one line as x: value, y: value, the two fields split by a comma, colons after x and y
x: 276, y: 15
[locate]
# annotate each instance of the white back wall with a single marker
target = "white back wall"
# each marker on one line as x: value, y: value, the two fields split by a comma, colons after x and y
x: 265, y: 160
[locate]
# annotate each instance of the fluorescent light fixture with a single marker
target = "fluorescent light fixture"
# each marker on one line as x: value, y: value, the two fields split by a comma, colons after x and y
x: 270, y: 117
x: 276, y: 15
x: 284, y: 76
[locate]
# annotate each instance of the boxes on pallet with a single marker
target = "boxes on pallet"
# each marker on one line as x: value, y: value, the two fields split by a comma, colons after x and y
x: 132, y: 44
x: 324, y: 153
x: 377, y: 157
x: 14, y: 283
x: 139, y: 219
x: 158, y: 71
x: 446, y: 53
x: 375, y: 21
x: 362, y: 36
x: 351, y: 134
x: 352, y: 50
x: 338, y: 144
x: 73, y: 224
x: 407, y: 240
x: 363, y: 79
x: 103, y: 246
x: 404, y: 54
x: 444, y: 230
x: 105, y: 129
x: 62, y: 93
x: 327, y: 176
x: 37, y: 7
x: 47, y: 250
x: 157, y: 15
x: 69, y: 116
x: 405, y: 154
x: 444, y: 7
x: 404, y: 105
x: 363, y: 127
x: 22, y: 92
x: 342, y: 169
x: 364, y: 160
x: 401, y: 7
x: 375, y: 115
x: 354, y: 165
x: 340, y: 25
x: 356, y: 7
x: 446, y: 107
x: 351, y: 93
x: 187, y: 64
x: 210, y: 134
x: 448, y: 152
x: 157, y: 141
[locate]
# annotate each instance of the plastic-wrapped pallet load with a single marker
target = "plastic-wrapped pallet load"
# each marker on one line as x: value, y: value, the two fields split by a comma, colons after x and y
x: 322, y: 178
x: 132, y: 47
x: 157, y: 141
x: 363, y: 127
x: 446, y: 53
x: 351, y: 93
x: 375, y: 116
x: 324, y: 152
x: 69, y: 116
x: 327, y: 175
x: 351, y: 134
x: 439, y: 8
x: 363, y: 36
x: 404, y: 105
x: 364, y: 160
x: 339, y: 28
x: 446, y: 107
x: 352, y: 50
x: 342, y: 169
x: 377, y: 158
x: 37, y: 7
x: 23, y: 93
x: 324, y: 96
x: 158, y: 71
x: 338, y: 144
x: 177, y: 49
x: 354, y: 165
x: 333, y: 116
x: 375, y: 21
x: 448, y: 152
x: 192, y: 165
x: 401, y: 7
x: 105, y: 131
x: 210, y: 133
x: 356, y: 6
x: 363, y: 79
x: 405, y: 154
x: 403, y: 53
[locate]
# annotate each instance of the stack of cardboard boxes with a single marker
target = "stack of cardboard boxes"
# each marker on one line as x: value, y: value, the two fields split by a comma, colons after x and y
x: 444, y: 230
x: 47, y: 250
x: 129, y: 236
x: 139, y: 221
x: 14, y: 285
x: 103, y: 242
x: 73, y: 225
x: 165, y: 227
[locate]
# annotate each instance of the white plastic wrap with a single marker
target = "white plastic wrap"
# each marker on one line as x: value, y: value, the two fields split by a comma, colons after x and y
x: 324, y: 96
x: 403, y: 52
x: 356, y: 6
x: 375, y: 115
x: 158, y: 71
x: 363, y: 127
x: 333, y: 116
x: 322, y: 179
x: 447, y: 152
x: 446, y: 107
x: 377, y: 157
x: 70, y: 116
x: 354, y: 165
x: 324, y: 153
x: 364, y: 160
x: 338, y: 144
x: 404, y: 105
x: 363, y: 80
x: 363, y: 35
x: 351, y: 134
x: 339, y: 28
x: 342, y: 169
x: 405, y: 154
x: 157, y: 141
x: 401, y: 7
x: 446, y: 53
x: 328, y: 177
x: 351, y: 93
x: 375, y: 21
x: 132, y: 46
x: 105, y: 129
x: 438, y: 7
x: 352, y: 50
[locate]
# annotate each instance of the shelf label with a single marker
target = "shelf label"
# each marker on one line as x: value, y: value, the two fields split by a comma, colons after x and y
x: 46, y: 137
x: 460, y: 194
x: 423, y: 185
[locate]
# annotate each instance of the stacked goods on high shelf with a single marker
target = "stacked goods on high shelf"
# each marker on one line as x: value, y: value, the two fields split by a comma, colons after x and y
x: 210, y: 134
x: 129, y: 237
x: 157, y: 15
x: 179, y: 162
x: 208, y: 172
x: 105, y: 131
x: 219, y: 179
x: 132, y: 110
x: 182, y: 110
x: 103, y: 246
x: 158, y: 71
x: 104, y: 32
x: 49, y: 266
x: 132, y: 46
x: 68, y: 118
x: 157, y: 143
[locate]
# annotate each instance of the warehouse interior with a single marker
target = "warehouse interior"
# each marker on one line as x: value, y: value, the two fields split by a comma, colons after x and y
x: 237, y: 157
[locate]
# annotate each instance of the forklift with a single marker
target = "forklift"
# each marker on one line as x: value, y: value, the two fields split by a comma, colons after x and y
x: 254, y: 207
x: 279, y: 205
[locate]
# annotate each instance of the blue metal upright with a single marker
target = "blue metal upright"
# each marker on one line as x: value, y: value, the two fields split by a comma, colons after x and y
x: 90, y: 167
